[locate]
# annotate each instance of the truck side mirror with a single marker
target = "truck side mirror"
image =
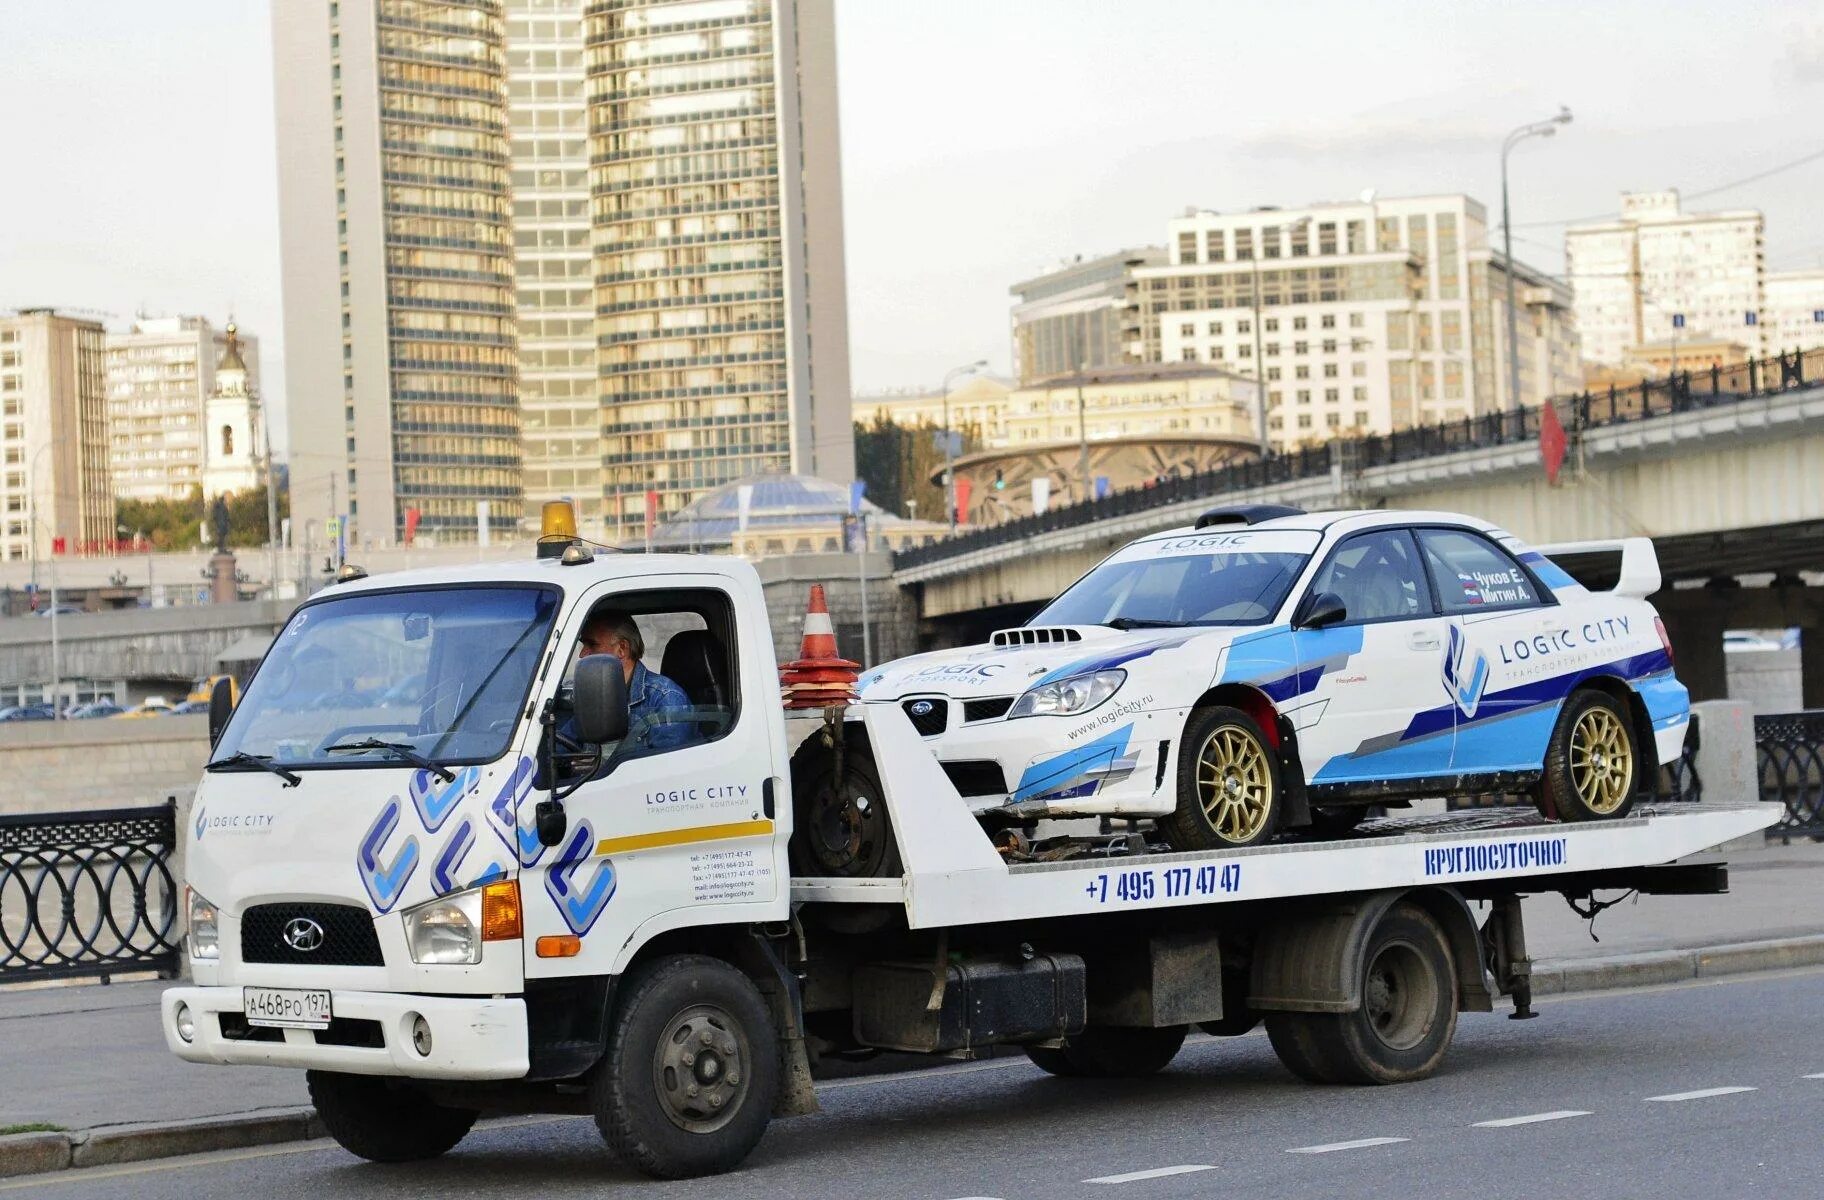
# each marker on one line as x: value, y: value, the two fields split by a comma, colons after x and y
x: 1320, y: 609
x: 601, y: 700
x: 221, y: 707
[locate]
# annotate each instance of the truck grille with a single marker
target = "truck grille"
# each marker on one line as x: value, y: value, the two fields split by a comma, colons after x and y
x: 986, y: 710
x: 349, y: 939
x: 981, y: 778
x: 929, y: 716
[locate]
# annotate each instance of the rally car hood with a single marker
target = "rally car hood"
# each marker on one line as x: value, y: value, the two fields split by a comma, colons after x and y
x: 1018, y: 659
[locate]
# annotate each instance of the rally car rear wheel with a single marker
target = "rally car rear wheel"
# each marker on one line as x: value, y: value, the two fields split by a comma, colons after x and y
x: 1591, y: 765
x: 1228, y: 783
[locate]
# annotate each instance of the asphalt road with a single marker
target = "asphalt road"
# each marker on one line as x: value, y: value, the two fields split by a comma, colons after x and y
x: 1707, y: 1090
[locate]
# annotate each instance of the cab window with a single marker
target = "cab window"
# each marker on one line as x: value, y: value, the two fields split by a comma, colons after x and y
x: 1473, y: 574
x: 1378, y: 577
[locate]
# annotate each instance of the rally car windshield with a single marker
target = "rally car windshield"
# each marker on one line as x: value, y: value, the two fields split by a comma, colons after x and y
x: 426, y: 676
x: 1179, y: 582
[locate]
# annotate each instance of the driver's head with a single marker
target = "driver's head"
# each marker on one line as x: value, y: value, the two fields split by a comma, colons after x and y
x: 611, y: 631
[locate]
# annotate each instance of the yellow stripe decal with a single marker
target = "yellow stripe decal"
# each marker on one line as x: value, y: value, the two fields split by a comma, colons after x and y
x: 684, y: 837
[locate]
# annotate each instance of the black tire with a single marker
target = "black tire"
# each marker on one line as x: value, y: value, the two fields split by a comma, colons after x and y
x: 686, y: 1022
x: 1338, y: 820
x: 1111, y: 1052
x: 840, y: 828
x: 385, y: 1120
x: 1591, y: 783
x: 1191, y: 827
x: 1407, y: 1016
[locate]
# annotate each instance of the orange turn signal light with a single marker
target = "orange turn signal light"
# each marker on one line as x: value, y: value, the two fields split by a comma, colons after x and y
x: 561, y: 945
x: 500, y: 911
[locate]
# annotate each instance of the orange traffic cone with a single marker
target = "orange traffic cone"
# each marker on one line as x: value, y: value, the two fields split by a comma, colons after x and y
x: 819, y: 677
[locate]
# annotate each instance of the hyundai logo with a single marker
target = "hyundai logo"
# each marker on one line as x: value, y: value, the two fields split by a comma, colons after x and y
x: 921, y: 708
x: 303, y: 935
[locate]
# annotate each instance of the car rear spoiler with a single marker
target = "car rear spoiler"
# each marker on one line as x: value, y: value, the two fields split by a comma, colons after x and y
x: 1594, y: 563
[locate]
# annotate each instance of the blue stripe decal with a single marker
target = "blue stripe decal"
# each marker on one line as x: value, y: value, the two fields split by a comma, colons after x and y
x: 1286, y: 666
x: 1084, y: 666
x: 1066, y: 770
x: 1550, y: 573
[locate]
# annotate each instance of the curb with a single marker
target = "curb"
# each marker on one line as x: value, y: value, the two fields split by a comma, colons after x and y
x: 34, y: 1153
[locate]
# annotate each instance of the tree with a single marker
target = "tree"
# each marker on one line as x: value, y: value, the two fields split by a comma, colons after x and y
x: 178, y: 524
x: 898, y: 463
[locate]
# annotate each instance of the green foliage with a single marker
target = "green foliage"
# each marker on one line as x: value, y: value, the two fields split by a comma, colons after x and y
x: 31, y: 1127
x: 898, y: 463
x: 179, y: 524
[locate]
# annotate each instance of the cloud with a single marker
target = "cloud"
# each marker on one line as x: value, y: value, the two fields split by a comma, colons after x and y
x: 1805, y: 54
x: 1372, y: 139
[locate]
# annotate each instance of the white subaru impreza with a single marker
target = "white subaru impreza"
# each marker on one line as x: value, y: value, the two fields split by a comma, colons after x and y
x: 1270, y: 668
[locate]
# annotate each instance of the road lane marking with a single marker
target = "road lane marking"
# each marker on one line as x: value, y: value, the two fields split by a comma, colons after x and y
x: 1357, y: 1144
x: 1531, y: 1119
x: 1819, y: 1075
x: 1155, y: 1173
x: 1701, y: 1094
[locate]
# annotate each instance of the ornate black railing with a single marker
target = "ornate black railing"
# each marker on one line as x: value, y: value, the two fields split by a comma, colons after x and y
x: 1790, y: 750
x: 88, y: 893
x: 1685, y: 391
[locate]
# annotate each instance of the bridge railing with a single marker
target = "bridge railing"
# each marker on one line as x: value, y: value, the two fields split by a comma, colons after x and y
x: 1790, y: 750
x: 1685, y: 391
x: 88, y: 893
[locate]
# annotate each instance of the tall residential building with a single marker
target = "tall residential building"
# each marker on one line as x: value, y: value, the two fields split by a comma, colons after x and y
x: 1374, y: 316
x: 1633, y: 275
x: 1070, y: 318
x: 54, y: 483
x: 234, y: 428
x: 396, y: 247
x: 716, y: 194
x: 161, y: 373
x: 1793, y: 315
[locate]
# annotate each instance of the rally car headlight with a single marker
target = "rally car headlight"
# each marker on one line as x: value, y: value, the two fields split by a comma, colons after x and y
x: 1079, y: 693
x: 205, y: 941
x: 450, y: 929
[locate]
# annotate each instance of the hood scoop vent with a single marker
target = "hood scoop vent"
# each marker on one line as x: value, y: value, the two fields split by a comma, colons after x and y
x: 1042, y: 635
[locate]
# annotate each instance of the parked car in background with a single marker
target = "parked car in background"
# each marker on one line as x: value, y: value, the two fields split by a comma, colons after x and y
x: 94, y: 709
x: 188, y: 706
x: 151, y: 706
x: 29, y: 712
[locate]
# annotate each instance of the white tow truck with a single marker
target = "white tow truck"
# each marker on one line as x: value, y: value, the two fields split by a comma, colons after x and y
x: 450, y: 868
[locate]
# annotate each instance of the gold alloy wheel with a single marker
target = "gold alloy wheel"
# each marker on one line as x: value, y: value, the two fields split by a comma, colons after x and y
x: 1234, y: 783
x: 1602, y: 761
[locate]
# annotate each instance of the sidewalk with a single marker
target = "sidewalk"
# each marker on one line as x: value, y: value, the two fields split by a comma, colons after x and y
x: 87, y: 1056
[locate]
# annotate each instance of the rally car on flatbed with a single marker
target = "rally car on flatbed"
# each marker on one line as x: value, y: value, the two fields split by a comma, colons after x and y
x: 1269, y: 668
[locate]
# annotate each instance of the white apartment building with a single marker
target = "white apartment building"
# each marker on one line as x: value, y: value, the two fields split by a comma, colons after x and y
x: 55, y: 494
x: 161, y: 373
x: 1632, y: 276
x: 1373, y: 316
x: 1793, y: 314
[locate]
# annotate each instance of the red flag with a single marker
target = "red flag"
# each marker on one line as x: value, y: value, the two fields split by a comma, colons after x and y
x: 1552, y: 442
x: 963, y: 488
x: 412, y: 517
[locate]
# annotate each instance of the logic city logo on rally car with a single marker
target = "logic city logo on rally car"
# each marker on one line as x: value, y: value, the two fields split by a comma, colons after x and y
x: 1465, y: 687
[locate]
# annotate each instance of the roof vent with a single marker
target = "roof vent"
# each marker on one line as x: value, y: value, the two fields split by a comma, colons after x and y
x: 1041, y: 635
x: 1246, y: 514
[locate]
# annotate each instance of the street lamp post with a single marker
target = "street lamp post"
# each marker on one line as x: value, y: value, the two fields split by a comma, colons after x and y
x: 1536, y: 129
x: 31, y: 485
x: 1260, y: 365
x: 949, y: 446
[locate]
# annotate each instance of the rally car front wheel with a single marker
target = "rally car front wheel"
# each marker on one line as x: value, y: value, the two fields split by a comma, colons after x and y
x: 1228, y: 783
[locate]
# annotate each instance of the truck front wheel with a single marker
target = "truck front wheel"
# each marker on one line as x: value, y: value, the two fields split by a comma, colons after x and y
x: 1405, y: 1019
x: 692, y: 1068
x: 385, y: 1120
x: 1111, y: 1052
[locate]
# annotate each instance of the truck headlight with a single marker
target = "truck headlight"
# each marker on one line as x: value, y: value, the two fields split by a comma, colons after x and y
x: 1079, y: 693
x: 451, y: 929
x: 205, y: 941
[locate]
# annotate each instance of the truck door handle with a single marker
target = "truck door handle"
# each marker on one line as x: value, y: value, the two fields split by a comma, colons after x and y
x: 1421, y: 640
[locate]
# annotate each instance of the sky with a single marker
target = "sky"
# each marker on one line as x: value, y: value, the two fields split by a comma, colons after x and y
x: 983, y: 143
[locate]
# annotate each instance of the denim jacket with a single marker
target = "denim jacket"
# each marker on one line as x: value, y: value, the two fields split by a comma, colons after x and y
x: 650, y: 699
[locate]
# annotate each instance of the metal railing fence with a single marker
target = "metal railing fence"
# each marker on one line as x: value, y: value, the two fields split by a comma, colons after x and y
x: 1790, y: 750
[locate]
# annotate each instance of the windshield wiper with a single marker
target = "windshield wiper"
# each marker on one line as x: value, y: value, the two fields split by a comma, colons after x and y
x: 398, y: 750
x: 1125, y: 623
x: 263, y: 761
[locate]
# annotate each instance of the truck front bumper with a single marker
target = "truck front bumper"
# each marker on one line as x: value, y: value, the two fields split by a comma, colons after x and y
x: 479, y: 1038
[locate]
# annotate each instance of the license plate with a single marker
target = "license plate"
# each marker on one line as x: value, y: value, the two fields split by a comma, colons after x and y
x: 286, y: 1008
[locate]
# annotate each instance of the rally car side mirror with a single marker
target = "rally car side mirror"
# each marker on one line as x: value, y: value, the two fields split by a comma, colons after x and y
x: 1320, y: 609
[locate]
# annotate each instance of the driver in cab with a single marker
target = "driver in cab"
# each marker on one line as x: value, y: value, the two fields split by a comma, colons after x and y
x: 658, y: 711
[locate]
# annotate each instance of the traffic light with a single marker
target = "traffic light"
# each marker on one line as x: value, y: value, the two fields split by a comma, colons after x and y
x: 1000, y: 484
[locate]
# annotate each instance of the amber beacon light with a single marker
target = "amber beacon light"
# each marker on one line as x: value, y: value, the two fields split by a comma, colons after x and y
x: 556, y: 529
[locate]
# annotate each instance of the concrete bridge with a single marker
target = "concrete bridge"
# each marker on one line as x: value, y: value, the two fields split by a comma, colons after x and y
x: 1729, y: 483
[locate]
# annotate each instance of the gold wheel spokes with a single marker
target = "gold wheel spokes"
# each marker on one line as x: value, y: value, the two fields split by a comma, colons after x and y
x: 1234, y: 785
x: 1602, y: 761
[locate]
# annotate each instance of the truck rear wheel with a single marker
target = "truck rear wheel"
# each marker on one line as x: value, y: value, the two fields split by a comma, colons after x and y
x: 1110, y: 1052
x: 1591, y: 764
x: 1405, y: 1020
x: 385, y: 1120
x: 692, y: 1069
x: 1228, y: 783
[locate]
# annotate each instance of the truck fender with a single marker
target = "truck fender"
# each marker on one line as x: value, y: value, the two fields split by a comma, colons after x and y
x: 1311, y: 960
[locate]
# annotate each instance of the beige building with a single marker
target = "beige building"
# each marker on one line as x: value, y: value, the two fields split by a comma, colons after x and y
x: 1632, y: 276
x: 1793, y: 316
x: 54, y: 481
x: 977, y: 403
x: 161, y: 373
x: 1374, y: 316
x: 1159, y: 399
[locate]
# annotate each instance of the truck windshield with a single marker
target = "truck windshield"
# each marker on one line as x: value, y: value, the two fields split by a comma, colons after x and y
x: 1216, y: 579
x: 441, y: 673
